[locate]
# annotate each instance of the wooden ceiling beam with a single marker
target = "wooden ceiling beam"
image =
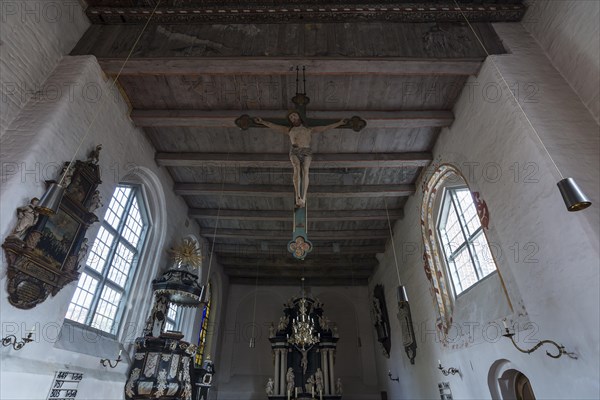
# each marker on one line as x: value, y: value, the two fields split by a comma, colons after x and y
x: 254, y: 234
x: 281, y: 264
x: 279, y: 215
x: 332, y: 191
x: 265, y: 249
x: 226, y: 118
x: 295, y: 281
x: 272, y: 66
x: 282, y: 160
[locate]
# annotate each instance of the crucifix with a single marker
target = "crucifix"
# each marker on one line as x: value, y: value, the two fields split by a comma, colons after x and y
x: 299, y: 128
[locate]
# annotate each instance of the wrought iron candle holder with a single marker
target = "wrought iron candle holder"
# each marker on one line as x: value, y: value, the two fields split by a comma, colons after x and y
x: 17, y: 345
x: 449, y: 371
x: 105, y: 361
x: 559, y: 347
x: 397, y: 379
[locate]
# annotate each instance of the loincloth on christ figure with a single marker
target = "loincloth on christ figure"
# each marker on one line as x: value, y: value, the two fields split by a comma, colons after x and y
x: 300, y: 152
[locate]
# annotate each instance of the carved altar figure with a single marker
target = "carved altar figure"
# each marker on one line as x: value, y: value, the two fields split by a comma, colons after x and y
x: 310, y: 384
x: 319, y: 380
x: 272, y: 330
x: 304, y: 361
x: 270, y: 387
x: 289, y: 378
x: 283, y: 323
x: 94, y: 155
x: 27, y: 216
x: 95, y: 202
x: 300, y: 151
x: 338, y: 386
x: 82, y: 251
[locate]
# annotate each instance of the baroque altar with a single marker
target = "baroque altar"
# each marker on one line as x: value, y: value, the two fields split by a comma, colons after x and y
x: 304, y: 343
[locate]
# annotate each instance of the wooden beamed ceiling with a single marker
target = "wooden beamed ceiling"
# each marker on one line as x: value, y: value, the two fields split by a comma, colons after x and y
x: 186, y: 85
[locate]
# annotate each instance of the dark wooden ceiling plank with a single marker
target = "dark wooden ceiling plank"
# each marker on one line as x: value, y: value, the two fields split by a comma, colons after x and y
x: 308, y: 264
x: 363, y: 234
x: 202, y: 189
x: 262, y: 250
x: 226, y: 118
x: 282, y: 66
x: 281, y: 215
x: 279, y: 160
x: 295, y: 281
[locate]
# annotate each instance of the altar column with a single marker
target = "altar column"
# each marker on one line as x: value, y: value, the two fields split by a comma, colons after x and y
x: 324, y: 363
x: 283, y: 371
x: 331, y: 372
x: 277, y: 368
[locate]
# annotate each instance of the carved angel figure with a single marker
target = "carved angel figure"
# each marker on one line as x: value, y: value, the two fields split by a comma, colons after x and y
x: 270, y: 387
x: 289, y: 379
x: 27, y: 216
x: 95, y: 201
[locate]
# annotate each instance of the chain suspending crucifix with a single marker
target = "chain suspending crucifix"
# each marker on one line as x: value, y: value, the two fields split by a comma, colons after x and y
x: 299, y: 128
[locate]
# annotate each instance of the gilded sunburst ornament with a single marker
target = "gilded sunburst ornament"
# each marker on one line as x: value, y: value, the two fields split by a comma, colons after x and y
x: 187, y: 253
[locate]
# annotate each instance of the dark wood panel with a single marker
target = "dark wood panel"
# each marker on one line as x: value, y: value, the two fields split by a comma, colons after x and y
x: 422, y: 40
x: 276, y: 215
x: 367, y: 234
x: 199, y: 189
x: 273, y: 160
x: 281, y: 66
x: 266, y: 249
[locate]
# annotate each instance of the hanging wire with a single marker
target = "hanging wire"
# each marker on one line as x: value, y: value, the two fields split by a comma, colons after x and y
x: 253, y: 338
x: 392, y: 237
x: 358, y: 342
x: 489, y: 57
x: 113, y: 84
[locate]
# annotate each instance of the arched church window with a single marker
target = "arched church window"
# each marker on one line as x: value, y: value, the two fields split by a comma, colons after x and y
x: 456, y: 252
x: 466, y: 252
x: 105, y: 279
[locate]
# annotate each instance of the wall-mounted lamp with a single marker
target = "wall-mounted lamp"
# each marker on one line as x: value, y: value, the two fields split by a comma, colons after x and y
x: 559, y: 347
x: 397, y: 379
x: 449, y: 371
x: 105, y: 361
x: 17, y: 345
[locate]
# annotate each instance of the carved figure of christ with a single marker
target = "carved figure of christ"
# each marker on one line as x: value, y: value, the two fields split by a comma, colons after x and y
x: 300, y: 151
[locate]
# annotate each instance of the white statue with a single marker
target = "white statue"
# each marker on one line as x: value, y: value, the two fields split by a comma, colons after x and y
x: 310, y: 385
x: 338, y: 386
x: 82, y: 251
x: 270, y: 387
x: 289, y: 378
x: 272, y: 330
x: 95, y: 201
x: 27, y: 217
x: 319, y: 380
x: 304, y: 361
